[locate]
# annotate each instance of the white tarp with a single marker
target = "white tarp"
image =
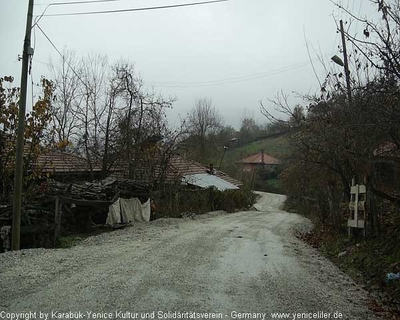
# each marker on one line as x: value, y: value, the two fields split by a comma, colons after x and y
x: 128, y: 210
x: 114, y: 213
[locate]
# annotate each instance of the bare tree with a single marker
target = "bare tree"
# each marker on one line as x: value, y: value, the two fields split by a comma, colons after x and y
x: 109, y: 124
x: 92, y: 111
x: 249, y: 129
x: 203, y: 119
x: 111, y: 117
x: 68, y: 97
x: 142, y: 123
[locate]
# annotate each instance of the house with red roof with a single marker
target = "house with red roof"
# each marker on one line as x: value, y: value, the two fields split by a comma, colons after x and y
x: 259, y: 160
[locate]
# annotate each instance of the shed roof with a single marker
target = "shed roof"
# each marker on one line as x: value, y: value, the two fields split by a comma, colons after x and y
x: 184, y: 167
x: 204, y: 180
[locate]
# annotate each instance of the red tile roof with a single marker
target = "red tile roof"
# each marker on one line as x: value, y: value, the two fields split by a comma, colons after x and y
x: 60, y: 162
x: 257, y: 159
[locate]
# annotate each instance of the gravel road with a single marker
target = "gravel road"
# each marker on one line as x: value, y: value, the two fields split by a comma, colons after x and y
x: 245, y: 265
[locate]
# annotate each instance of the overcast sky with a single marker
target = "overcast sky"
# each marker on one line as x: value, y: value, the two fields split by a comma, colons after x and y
x: 236, y: 53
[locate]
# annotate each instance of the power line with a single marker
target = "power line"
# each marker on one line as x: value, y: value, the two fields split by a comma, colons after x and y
x: 73, y: 2
x: 260, y: 74
x: 131, y: 10
x: 229, y: 80
x: 37, y: 18
x: 66, y: 61
x: 51, y: 42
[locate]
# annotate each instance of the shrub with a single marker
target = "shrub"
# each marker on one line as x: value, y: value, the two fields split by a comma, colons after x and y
x: 236, y: 199
x: 204, y: 200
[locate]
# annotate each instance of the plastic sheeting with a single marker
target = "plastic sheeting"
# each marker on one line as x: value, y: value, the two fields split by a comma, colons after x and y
x: 127, y: 211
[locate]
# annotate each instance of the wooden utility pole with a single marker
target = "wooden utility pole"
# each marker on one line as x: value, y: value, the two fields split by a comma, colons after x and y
x: 16, y: 223
x: 346, y: 63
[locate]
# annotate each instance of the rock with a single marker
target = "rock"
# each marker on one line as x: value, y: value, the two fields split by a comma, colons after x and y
x: 341, y: 254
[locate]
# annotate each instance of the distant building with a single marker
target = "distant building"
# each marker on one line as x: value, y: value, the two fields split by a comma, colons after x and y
x: 259, y: 160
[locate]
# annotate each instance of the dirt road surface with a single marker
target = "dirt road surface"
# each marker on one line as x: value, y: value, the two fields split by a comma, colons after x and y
x: 233, y: 266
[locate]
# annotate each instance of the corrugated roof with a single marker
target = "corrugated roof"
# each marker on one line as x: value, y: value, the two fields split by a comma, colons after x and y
x: 204, y: 180
x: 257, y: 159
x: 184, y: 167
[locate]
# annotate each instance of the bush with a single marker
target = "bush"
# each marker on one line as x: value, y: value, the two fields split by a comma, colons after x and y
x: 231, y: 200
x: 204, y: 200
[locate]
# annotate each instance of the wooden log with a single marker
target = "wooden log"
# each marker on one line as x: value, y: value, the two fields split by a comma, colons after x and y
x: 88, y: 203
x: 57, y: 220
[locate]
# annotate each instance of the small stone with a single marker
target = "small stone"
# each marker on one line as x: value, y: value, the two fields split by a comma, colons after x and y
x: 341, y: 254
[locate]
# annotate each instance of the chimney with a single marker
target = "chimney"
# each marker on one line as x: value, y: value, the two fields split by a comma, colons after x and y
x: 262, y: 157
x: 211, y: 168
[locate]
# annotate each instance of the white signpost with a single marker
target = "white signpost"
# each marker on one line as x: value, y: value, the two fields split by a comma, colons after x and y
x: 357, y: 218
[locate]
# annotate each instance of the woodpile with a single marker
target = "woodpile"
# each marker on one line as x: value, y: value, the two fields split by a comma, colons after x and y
x: 105, y: 190
x: 5, y: 213
x: 80, y: 206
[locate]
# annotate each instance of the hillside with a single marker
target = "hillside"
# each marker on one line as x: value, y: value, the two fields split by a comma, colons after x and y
x: 275, y: 145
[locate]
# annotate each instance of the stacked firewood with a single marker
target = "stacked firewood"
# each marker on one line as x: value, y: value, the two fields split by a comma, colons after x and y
x: 100, y: 190
x: 40, y: 208
x: 5, y: 212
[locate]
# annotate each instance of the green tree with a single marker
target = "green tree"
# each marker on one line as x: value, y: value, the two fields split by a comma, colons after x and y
x: 36, y: 129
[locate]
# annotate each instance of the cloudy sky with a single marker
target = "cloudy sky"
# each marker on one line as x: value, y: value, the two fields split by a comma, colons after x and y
x: 236, y: 52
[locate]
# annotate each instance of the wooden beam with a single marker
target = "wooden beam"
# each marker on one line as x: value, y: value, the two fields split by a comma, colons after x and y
x: 57, y: 220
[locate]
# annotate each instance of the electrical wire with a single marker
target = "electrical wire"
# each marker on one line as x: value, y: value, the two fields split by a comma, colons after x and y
x: 51, y: 42
x: 74, y: 2
x: 229, y: 80
x: 192, y: 84
x: 127, y: 10
x: 66, y: 61
x: 255, y: 75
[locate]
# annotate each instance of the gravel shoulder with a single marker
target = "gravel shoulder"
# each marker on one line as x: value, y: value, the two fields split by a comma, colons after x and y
x: 247, y: 262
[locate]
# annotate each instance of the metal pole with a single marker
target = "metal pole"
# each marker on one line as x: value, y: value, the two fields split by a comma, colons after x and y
x: 16, y: 224
x: 346, y: 64
x: 220, y: 163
